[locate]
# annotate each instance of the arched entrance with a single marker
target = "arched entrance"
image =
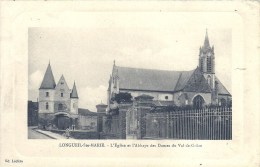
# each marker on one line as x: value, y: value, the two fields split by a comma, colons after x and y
x: 198, y: 101
x: 63, y: 121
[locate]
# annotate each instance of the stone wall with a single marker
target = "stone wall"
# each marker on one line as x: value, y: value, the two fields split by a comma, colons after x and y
x: 45, y: 119
x: 190, y: 95
x: 88, y: 123
x: 114, y: 125
x: 156, y: 95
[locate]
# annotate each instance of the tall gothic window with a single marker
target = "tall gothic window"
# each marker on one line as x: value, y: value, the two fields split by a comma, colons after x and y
x: 208, y: 64
x: 47, y: 106
x: 47, y: 94
x: 209, y: 80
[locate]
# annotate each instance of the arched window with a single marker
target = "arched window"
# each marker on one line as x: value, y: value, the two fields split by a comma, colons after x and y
x: 198, y: 101
x: 60, y: 107
x: 47, y: 106
x: 209, y: 80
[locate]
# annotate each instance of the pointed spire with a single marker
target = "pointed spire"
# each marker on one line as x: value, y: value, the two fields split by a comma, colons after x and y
x: 114, y: 62
x: 206, y: 41
x: 74, y: 93
x: 48, y: 81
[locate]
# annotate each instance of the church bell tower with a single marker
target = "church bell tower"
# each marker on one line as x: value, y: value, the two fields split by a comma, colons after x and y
x: 207, y: 62
x: 207, y: 65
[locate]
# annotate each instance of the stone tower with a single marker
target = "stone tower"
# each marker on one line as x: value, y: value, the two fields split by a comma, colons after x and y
x: 74, y: 98
x: 207, y: 65
x: 47, y: 92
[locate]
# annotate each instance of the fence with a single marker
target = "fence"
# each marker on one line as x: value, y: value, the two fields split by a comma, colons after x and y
x: 196, y: 124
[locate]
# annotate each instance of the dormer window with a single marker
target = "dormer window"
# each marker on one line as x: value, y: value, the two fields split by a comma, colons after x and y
x: 47, y: 94
x: 61, y: 82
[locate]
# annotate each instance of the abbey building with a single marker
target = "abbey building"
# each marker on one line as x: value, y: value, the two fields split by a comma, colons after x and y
x: 58, y: 102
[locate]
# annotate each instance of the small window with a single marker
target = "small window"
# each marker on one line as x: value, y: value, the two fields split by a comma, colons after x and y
x: 47, y: 106
x: 62, y: 83
x: 47, y: 94
x: 166, y: 97
x: 61, y: 95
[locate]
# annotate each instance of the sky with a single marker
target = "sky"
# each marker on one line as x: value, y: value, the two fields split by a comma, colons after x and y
x: 86, y: 55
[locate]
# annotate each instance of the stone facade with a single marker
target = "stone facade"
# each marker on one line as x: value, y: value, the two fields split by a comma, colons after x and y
x: 58, y: 105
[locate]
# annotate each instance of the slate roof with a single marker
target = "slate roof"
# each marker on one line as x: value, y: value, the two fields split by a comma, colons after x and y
x: 74, y: 93
x: 164, y: 81
x: 86, y: 112
x: 147, y: 79
x: 183, y: 79
x: 197, y: 83
x: 48, y: 81
x: 221, y: 88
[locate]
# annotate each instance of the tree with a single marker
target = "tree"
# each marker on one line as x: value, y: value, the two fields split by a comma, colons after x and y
x: 123, y: 97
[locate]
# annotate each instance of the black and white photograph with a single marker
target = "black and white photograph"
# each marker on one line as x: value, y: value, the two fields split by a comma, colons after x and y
x: 137, y: 83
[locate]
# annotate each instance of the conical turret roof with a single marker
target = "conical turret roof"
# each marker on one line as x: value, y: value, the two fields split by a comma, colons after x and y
x: 48, y: 81
x: 74, y: 93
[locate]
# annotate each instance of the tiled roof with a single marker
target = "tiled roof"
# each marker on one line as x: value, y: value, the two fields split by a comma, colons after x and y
x: 86, y: 112
x: 48, y: 81
x: 183, y: 79
x: 164, y: 81
x: 197, y: 83
x: 74, y: 93
x: 221, y: 88
x: 147, y: 79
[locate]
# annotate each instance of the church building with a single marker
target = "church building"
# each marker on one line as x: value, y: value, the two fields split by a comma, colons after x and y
x: 198, y: 88
x: 58, y: 104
